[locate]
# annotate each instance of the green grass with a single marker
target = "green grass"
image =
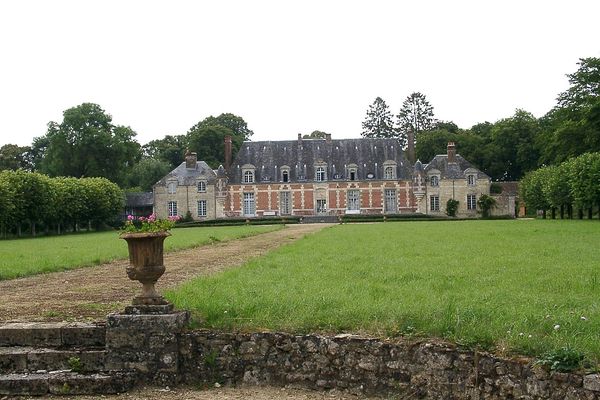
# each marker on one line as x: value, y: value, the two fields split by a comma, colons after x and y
x: 25, y: 257
x: 501, y: 285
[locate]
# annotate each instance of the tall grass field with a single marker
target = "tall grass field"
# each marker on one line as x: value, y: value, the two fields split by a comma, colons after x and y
x: 517, y: 286
x: 23, y: 257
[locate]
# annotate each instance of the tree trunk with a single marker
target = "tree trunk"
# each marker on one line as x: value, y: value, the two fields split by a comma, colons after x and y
x: 58, y: 228
x: 590, y: 213
x: 33, y: 228
x: 562, y: 211
x: 580, y: 213
x: 553, y: 212
x: 544, y: 213
x: 570, y: 211
x: 19, y: 230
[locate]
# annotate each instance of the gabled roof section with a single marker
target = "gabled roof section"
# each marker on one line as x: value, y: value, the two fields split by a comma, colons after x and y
x: 455, y: 170
x: 301, y: 156
x: 189, y: 176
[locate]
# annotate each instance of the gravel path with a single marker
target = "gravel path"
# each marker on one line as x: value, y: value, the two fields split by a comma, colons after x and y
x: 93, y: 292
x: 254, y: 393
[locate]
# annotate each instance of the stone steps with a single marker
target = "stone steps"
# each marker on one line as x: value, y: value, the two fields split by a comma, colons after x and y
x: 57, y: 358
x: 31, y: 359
x: 65, y: 383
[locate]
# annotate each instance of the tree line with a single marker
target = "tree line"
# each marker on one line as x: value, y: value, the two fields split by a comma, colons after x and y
x: 509, y: 148
x: 34, y: 201
x: 571, y: 185
x: 86, y: 143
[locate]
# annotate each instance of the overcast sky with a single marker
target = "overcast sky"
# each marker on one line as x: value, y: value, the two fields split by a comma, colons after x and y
x: 285, y: 67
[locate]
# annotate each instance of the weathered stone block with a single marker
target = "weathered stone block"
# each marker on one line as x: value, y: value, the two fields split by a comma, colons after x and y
x: 85, y: 335
x: 592, y: 382
x: 13, y: 359
x: 24, y: 384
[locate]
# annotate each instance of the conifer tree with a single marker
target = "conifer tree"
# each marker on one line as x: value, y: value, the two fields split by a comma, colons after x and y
x: 378, y: 122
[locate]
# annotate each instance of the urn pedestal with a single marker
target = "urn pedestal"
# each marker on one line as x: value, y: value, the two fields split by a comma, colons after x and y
x: 146, y: 265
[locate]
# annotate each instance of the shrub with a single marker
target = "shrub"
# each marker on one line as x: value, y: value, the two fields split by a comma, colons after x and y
x: 451, y: 207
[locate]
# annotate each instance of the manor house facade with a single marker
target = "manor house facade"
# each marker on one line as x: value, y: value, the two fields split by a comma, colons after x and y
x: 306, y: 177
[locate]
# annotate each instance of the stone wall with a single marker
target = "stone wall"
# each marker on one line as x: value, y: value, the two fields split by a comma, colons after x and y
x: 370, y: 366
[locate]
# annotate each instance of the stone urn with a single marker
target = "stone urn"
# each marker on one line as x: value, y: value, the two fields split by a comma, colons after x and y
x: 146, y: 264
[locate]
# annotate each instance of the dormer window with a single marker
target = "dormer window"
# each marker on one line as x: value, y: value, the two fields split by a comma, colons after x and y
x: 471, y: 180
x: 352, y: 172
x: 171, y: 187
x: 389, y: 169
x: 285, y: 173
x: 201, y: 186
x: 320, y: 171
x: 434, y: 181
x: 248, y: 173
x: 320, y: 176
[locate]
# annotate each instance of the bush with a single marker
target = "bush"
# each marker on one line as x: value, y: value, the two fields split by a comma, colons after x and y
x: 451, y: 207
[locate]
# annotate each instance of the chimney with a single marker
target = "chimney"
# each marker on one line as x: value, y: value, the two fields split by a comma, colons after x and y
x: 227, y: 152
x: 411, y: 146
x: 451, y: 152
x: 328, y: 137
x: 299, y: 139
x: 190, y: 160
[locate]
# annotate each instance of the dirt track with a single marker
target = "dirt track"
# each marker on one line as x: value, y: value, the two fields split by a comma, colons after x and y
x: 92, y: 293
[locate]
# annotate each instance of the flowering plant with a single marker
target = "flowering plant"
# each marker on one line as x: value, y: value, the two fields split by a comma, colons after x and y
x: 148, y: 224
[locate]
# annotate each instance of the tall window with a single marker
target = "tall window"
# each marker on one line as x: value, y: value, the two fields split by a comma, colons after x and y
x: 320, y: 174
x: 202, y: 208
x: 249, y: 205
x: 201, y: 186
x: 435, y: 180
x: 390, y: 200
x: 353, y: 200
x: 388, y: 172
x: 285, y: 203
x: 172, y: 208
x: 434, y: 203
x: 471, y: 202
x: 285, y: 176
x: 171, y: 187
x: 471, y: 180
x: 248, y: 177
x: 321, y: 206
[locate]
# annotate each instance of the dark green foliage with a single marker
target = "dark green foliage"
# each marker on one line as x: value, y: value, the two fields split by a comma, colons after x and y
x: 416, y: 115
x: 485, y: 204
x: 170, y: 149
x: 207, y: 137
x: 378, y: 122
x: 33, y: 200
x: 241, y: 221
x: 15, y: 157
x: 146, y: 173
x: 565, y: 359
x: 451, y: 207
x: 87, y: 144
x: 209, y: 143
x: 315, y: 135
x: 495, y: 188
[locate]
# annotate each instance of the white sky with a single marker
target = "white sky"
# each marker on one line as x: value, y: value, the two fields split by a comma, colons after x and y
x: 285, y: 67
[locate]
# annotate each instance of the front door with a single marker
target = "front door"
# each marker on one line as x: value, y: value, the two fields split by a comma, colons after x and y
x: 321, y: 206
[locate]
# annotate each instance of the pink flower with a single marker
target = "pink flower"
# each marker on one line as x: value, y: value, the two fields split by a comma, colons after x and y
x: 130, y: 217
x: 142, y: 219
x: 152, y: 218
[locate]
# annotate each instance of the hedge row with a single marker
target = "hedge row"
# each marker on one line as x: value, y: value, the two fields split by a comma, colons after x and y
x: 574, y: 184
x: 33, y: 200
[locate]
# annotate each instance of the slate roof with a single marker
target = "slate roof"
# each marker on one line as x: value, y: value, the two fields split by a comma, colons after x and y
x: 189, y: 176
x: 301, y: 156
x: 454, y: 170
x: 141, y: 199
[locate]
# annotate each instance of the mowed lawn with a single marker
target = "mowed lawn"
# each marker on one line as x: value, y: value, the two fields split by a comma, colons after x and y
x: 23, y: 257
x: 518, y: 286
